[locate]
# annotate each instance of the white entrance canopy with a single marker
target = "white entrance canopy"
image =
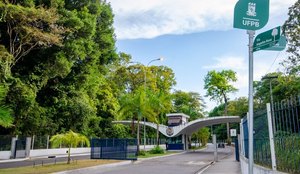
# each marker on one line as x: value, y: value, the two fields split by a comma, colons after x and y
x: 188, y: 128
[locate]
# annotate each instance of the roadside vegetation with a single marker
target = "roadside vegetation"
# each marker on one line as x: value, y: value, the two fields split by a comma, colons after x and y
x: 50, y: 168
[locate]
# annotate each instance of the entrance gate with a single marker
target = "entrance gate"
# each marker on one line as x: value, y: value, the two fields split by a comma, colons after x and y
x: 120, y: 149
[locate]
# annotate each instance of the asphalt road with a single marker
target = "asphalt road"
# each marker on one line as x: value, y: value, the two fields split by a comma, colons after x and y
x: 185, y: 163
x: 39, y: 161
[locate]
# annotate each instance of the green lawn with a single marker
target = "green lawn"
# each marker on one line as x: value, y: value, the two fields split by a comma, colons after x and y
x: 50, y: 168
x: 148, y: 155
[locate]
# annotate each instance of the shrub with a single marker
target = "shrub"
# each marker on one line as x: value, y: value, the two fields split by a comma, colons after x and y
x: 142, y: 153
x: 157, y: 150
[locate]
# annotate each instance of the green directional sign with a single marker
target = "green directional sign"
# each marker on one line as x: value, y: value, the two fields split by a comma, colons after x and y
x: 251, y: 14
x: 279, y: 46
x: 266, y: 39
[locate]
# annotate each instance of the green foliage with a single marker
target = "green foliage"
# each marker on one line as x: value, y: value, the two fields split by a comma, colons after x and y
x: 282, y: 87
x: 292, y: 32
x: 61, y: 84
x: 28, y: 27
x: 218, y: 84
x: 157, y: 150
x: 287, y: 150
x: 190, y: 103
x: 5, y: 113
x: 69, y: 139
x: 202, y: 135
x: 142, y: 153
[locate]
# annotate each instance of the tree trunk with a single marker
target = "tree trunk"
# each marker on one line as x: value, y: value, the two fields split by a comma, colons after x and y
x: 157, y: 134
x: 69, y: 155
x: 132, y: 126
x: 138, y: 136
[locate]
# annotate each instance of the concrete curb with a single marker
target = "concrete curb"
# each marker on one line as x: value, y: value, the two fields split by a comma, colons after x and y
x: 13, y: 160
x: 97, y: 167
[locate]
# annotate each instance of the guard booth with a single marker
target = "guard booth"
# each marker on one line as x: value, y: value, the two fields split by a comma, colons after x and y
x: 178, y: 142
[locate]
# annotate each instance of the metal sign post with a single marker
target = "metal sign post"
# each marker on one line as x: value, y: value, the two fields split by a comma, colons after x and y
x: 251, y: 37
x: 251, y: 15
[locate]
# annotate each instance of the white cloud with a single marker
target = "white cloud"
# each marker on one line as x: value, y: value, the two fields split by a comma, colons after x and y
x: 148, y: 19
x: 240, y: 66
x: 228, y: 62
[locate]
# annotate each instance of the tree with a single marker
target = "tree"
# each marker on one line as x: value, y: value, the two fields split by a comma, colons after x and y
x: 69, y: 139
x: 190, y: 103
x: 27, y: 27
x: 218, y: 87
x: 292, y: 32
x: 161, y: 105
x: 5, y: 113
x: 202, y: 136
x: 136, y: 105
x: 57, y: 75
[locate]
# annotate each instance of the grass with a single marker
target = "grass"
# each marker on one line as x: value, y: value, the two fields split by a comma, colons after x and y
x: 50, y: 168
x: 148, y: 155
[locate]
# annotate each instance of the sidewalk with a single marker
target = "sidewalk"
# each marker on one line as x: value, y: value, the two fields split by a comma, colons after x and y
x: 226, y: 165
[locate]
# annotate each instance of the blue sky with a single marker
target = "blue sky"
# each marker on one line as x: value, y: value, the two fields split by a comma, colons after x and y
x: 194, y: 37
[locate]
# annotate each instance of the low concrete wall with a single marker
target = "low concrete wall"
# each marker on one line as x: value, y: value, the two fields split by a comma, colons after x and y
x: 256, y: 168
x: 4, y: 155
x: 61, y: 151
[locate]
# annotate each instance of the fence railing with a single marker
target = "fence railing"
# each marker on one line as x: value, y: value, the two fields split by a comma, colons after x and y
x: 287, y: 134
x: 43, y: 142
x: 5, y: 142
x: 286, y: 129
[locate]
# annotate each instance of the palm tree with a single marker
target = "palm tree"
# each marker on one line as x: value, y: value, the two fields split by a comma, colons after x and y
x: 161, y: 104
x: 5, y: 114
x: 70, y: 139
x: 135, y: 105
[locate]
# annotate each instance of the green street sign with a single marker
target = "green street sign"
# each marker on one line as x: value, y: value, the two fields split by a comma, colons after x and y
x: 266, y: 39
x: 251, y: 14
x: 279, y: 46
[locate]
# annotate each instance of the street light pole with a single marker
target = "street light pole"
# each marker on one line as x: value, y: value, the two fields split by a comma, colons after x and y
x: 271, y: 96
x: 145, y: 87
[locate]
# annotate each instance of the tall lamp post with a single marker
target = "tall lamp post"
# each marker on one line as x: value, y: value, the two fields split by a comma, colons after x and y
x: 271, y: 96
x: 145, y: 86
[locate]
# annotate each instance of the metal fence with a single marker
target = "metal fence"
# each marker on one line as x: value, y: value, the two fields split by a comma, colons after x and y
x: 261, y: 146
x: 286, y: 129
x: 287, y: 134
x: 5, y: 142
x: 121, y: 149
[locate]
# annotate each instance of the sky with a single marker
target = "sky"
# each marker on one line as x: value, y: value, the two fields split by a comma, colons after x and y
x: 194, y: 37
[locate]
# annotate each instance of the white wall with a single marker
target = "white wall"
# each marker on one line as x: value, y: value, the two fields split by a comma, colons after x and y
x: 4, y: 155
x: 62, y: 151
x: 256, y: 168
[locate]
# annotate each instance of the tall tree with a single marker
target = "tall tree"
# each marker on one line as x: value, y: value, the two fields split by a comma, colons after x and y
x: 24, y: 27
x: 190, y: 103
x: 5, y: 113
x: 161, y: 104
x: 218, y: 87
x: 292, y: 32
x: 136, y: 105
x: 58, y: 79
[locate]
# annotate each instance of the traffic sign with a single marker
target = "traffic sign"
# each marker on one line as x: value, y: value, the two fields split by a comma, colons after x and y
x: 266, y: 39
x: 279, y: 46
x: 251, y: 14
